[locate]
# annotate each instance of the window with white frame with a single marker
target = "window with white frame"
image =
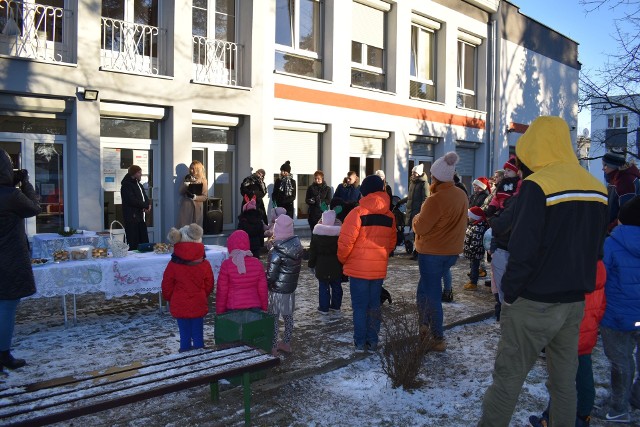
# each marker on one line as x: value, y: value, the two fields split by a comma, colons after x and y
x: 467, y: 72
x: 617, y: 121
x: 368, y: 44
x: 299, y: 37
x: 423, y: 58
x: 130, y: 26
x: 616, y: 132
x: 214, y: 19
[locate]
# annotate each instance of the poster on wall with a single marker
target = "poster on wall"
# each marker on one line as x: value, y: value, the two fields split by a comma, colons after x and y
x: 117, y: 198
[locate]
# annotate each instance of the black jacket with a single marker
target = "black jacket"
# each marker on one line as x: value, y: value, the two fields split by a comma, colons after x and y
x: 282, y: 199
x: 251, y: 222
x: 323, y: 256
x: 254, y: 186
x: 134, y: 200
x: 16, y: 275
x: 477, y: 199
x: 316, y: 194
x: 559, y: 220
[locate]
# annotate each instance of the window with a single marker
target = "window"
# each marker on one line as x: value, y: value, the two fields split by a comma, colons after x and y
x: 367, y: 46
x: 617, y: 121
x: 214, y: 19
x: 130, y: 26
x: 299, y: 37
x: 467, y: 65
x: 423, y: 62
x: 616, y: 133
x: 39, y: 20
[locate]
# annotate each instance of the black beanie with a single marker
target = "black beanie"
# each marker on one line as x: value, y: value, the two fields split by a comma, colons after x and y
x: 614, y: 160
x: 630, y: 212
x: 371, y: 184
x: 286, y: 166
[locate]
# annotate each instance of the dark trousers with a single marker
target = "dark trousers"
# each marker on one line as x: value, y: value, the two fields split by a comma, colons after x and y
x: 136, y: 234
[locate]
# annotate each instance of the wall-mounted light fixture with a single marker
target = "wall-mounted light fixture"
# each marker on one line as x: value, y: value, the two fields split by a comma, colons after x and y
x: 88, y: 94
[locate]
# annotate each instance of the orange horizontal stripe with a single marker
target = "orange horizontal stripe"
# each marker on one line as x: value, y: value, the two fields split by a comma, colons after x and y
x: 312, y: 96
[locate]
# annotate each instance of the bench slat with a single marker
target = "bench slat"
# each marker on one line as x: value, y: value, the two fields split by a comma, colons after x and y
x: 71, y: 402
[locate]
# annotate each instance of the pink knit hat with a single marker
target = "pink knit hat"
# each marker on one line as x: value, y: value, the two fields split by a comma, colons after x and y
x: 283, y: 228
x: 444, y: 168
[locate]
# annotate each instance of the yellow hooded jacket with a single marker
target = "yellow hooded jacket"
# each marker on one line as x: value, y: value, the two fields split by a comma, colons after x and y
x: 559, y: 221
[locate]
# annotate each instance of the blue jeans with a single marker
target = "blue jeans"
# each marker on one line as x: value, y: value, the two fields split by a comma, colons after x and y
x: 475, y: 273
x: 329, y: 295
x: 191, y: 333
x: 446, y: 280
x: 8, y: 309
x: 429, y: 293
x: 365, y: 301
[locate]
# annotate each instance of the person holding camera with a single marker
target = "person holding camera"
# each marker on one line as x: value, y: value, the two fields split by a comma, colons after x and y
x: 194, y: 191
x: 135, y: 205
x: 18, y: 200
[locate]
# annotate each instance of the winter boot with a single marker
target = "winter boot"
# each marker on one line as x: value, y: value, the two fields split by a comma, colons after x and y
x: 447, y: 296
x: 535, y: 421
x: 470, y: 286
x: 10, y: 362
x: 498, y: 307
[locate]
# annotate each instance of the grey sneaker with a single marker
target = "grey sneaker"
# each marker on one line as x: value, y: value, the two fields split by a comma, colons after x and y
x: 360, y: 349
x: 614, y: 416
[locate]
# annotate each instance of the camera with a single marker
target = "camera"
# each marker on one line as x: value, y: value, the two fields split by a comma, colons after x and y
x: 20, y: 175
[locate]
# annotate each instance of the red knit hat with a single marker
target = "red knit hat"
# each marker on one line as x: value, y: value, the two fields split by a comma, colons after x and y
x: 511, y: 164
x: 481, y: 182
x: 477, y: 214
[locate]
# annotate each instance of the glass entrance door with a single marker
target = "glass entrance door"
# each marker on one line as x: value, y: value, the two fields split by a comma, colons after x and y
x: 116, y: 158
x: 43, y: 157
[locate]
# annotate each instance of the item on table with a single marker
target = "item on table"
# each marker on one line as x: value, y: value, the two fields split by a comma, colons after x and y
x: 99, y: 252
x: 80, y: 252
x: 162, y: 248
x: 61, y: 255
x: 39, y: 261
x: 67, y: 231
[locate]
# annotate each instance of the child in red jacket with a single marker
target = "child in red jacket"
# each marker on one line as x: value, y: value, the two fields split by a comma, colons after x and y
x: 187, y: 284
x: 242, y: 283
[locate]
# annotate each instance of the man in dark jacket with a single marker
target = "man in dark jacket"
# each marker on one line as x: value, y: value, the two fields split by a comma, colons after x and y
x: 16, y: 276
x: 135, y: 204
x: 558, y: 231
x: 284, y: 189
x: 253, y: 185
x: 623, y: 183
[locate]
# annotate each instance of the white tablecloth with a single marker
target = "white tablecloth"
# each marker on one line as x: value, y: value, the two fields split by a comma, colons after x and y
x: 137, y: 273
x: 45, y: 244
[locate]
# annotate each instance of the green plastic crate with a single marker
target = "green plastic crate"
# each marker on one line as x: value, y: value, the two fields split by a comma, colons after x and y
x: 253, y: 328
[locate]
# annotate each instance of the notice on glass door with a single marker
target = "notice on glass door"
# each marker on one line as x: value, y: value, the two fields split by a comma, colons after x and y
x: 110, y: 161
x: 141, y: 158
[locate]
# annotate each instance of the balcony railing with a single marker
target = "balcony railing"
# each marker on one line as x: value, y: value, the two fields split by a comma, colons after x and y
x: 215, y: 61
x: 133, y: 48
x: 36, y: 31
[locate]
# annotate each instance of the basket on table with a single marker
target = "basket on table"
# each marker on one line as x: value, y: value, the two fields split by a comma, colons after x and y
x: 118, y: 247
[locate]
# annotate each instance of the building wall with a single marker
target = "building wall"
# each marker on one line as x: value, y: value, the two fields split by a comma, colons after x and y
x: 516, y: 80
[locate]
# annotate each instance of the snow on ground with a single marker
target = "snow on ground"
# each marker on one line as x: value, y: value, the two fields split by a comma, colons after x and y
x: 322, y: 383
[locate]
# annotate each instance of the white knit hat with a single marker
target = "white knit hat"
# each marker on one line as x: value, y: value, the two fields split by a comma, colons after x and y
x: 419, y: 169
x: 444, y: 168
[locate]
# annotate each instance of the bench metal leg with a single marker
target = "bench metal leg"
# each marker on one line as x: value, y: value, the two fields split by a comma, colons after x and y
x: 64, y: 309
x: 215, y: 391
x: 246, y: 393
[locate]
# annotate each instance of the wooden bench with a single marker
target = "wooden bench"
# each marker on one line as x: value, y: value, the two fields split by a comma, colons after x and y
x: 65, y: 398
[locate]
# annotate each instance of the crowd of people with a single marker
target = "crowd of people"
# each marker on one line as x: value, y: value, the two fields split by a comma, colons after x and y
x: 564, y: 254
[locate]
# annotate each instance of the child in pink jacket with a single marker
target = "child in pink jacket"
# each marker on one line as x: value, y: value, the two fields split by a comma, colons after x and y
x: 242, y: 283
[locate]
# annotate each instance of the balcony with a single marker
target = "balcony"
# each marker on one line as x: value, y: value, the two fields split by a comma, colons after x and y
x: 215, y: 61
x: 133, y: 48
x: 36, y: 31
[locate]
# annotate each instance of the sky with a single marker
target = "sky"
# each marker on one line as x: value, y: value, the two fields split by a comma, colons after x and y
x: 592, y: 30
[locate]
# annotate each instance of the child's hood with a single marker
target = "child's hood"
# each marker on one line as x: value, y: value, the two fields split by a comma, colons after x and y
x: 189, y: 251
x: 628, y: 236
x: 239, y: 239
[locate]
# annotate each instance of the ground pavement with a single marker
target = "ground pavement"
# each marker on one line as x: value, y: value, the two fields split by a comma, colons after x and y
x: 321, y: 343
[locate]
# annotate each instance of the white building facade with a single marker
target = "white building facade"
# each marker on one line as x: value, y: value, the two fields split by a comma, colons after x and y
x: 613, y: 129
x: 332, y: 85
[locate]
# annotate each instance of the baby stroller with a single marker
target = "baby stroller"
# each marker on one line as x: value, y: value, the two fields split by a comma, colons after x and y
x: 398, y: 210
